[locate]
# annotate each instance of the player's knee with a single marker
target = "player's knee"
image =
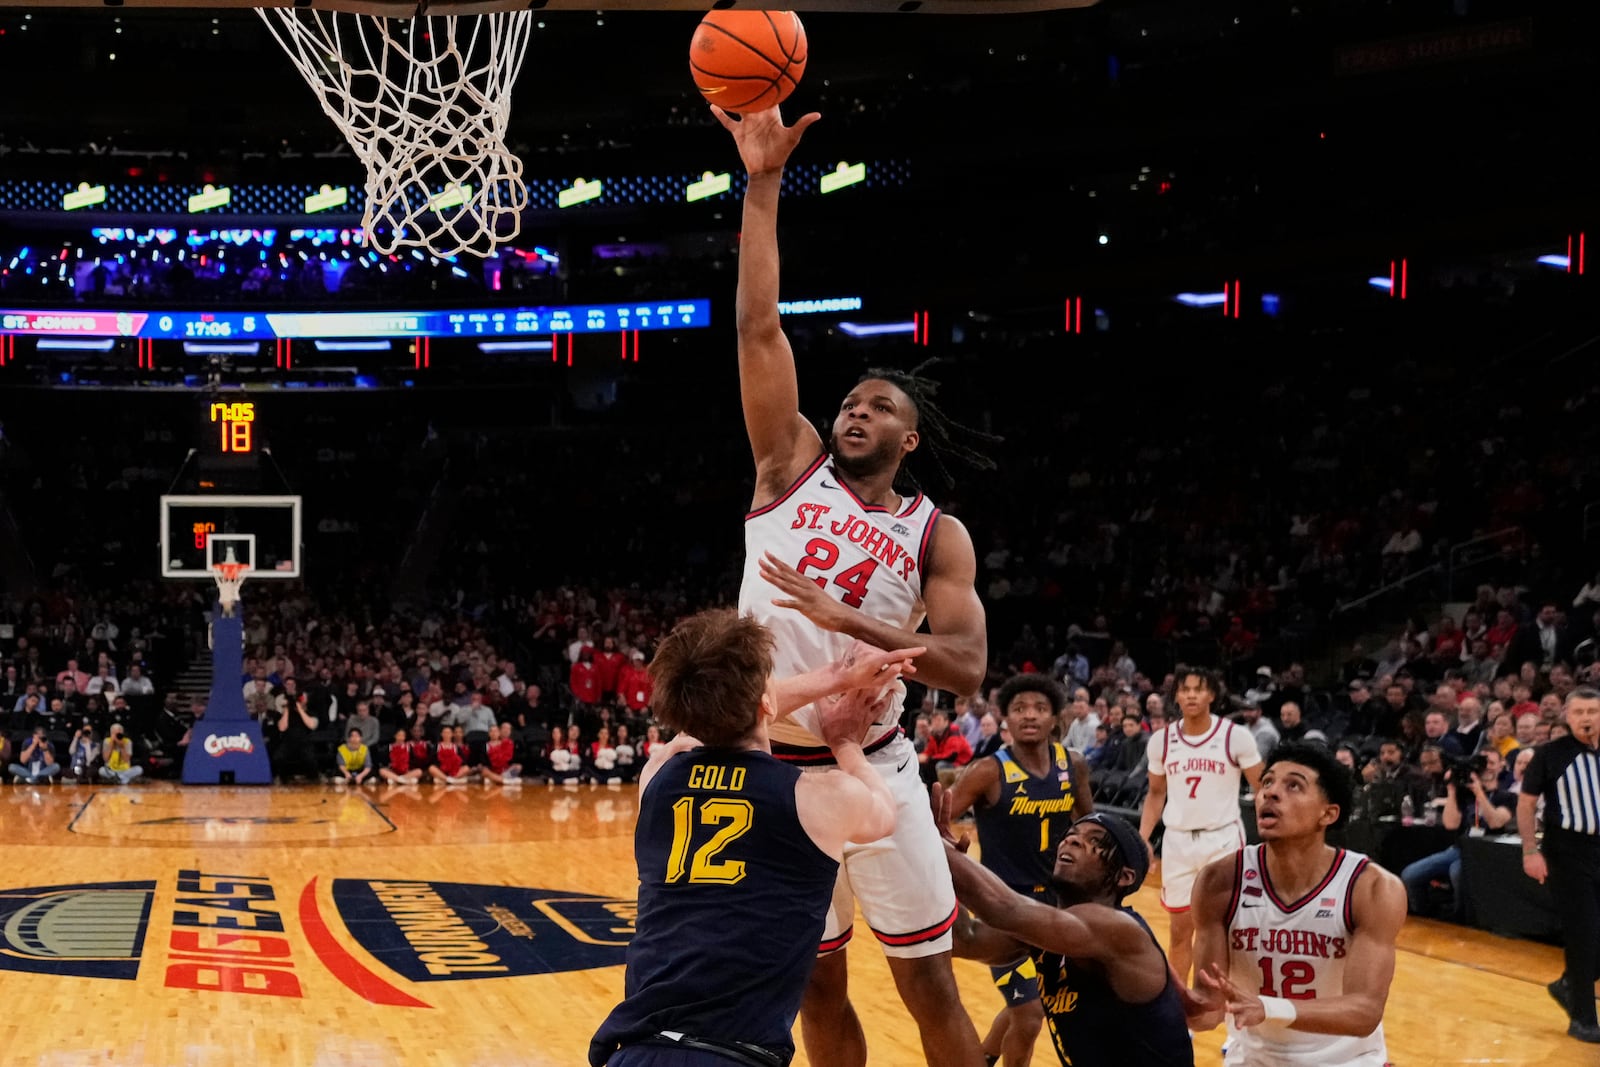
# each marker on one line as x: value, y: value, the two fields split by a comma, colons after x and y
x: 829, y: 988
x: 926, y: 985
x: 1027, y: 1020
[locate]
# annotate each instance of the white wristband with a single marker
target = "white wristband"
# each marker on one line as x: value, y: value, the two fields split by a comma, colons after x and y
x: 1280, y: 1011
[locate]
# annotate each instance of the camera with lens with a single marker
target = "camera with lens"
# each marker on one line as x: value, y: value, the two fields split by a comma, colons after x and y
x: 1462, y: 769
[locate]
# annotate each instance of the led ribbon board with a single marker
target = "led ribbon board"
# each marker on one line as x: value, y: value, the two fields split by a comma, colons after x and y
x: 267, y: 326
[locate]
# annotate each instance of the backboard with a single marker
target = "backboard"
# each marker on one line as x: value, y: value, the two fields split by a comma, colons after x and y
x: 262, y: 532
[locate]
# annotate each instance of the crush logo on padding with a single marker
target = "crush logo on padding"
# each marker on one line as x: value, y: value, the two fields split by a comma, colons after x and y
x: 86, y: 931
x: 442, y: 931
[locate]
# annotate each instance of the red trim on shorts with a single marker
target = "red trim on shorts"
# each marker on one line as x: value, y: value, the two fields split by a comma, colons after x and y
x: 1169, y: 909
x: 341, y: 964
x: 937, y: 930
x: 927, y: 539
x: 1350, y: 894
x: 789, y: 492
x: 834, y: 944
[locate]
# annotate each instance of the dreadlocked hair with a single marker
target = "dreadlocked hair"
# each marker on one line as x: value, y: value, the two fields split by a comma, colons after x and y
x: 945, y: 437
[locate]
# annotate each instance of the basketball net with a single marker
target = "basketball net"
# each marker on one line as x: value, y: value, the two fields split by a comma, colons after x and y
x: 425, y: 103
x: 229, y: 576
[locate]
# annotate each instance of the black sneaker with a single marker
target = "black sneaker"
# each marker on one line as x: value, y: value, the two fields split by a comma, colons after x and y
x: 1585, y: 1032
x: 1558, y: 993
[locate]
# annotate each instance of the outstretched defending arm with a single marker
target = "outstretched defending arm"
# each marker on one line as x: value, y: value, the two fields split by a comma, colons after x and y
x: 782, y: 440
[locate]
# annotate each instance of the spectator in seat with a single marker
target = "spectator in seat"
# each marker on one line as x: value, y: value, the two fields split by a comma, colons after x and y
x: 634, y: 685
x: 1465, y: 739
x: 118, y: 757
x: 988, y: 736
x: 1261, y: 728
x: 608, y: 667
x: 472, y: 725
x: 259, y: 700
x: 78, y: 678
x: 104, y: 681
x: 365, y: 723
x: 1501, y: 733
x: 1080, y: 721
x: 946, y: 748
x: 1476, y: 802
x: 37, y: 761
x: 1292, y: 727
x: 136, y: 684
x: 584, y: 679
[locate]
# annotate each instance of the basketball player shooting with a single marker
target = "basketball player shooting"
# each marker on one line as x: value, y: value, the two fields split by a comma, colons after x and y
x: 851, y: 560
x: 1195, y: 765
x: 1296, y: 939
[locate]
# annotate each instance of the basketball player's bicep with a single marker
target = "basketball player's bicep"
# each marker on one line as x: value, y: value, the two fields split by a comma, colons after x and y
x: 1379, y: 911
x: 770, y: 395
x: 955, y: 614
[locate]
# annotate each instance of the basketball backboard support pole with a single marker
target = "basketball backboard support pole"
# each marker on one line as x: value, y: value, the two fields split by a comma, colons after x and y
x: 407, y: 8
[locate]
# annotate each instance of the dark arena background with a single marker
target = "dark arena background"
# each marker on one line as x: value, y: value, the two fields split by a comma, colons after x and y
x: 1282, y: 309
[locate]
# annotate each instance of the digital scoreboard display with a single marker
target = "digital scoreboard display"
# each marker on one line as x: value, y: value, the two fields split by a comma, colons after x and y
x: 296, y: 325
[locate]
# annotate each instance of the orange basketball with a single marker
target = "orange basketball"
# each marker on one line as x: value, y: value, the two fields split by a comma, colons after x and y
x: 748, y: 60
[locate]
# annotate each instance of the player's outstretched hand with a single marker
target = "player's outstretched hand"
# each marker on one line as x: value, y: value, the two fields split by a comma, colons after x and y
x: 846, y: 718
x: 941, y: 802
x: 1244, y: 1006
x: 803, y: 595
x: 764, y: 141
x: 867, y: 666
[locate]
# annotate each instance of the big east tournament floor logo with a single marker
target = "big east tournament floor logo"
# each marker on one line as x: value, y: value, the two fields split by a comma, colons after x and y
x: 226, y: 932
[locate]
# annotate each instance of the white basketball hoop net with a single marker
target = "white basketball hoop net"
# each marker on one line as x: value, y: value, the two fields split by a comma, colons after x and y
x: 229, y: 576
x: 424, y: 102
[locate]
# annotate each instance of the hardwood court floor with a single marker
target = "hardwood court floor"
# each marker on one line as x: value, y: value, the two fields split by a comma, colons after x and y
x: 215, y: 926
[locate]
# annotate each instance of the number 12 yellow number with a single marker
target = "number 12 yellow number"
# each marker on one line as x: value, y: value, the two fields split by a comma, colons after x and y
x: 733, y: 815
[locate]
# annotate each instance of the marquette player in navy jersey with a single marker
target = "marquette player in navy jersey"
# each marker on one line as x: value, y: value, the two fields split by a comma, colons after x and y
x: 852, y: 557
x: 1109, y: 996
x: 1195, y: 767
x: 1295, y: 939
x: 1025, y: 797
x: 737, y: 852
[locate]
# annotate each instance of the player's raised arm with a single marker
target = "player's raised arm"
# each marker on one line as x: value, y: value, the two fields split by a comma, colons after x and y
x: 782, y: 440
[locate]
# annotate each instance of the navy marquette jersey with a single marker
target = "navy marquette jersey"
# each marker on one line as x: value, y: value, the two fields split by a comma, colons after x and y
x: 1020, y: 833
x: 1090, y: 1027
x: 732, y: 897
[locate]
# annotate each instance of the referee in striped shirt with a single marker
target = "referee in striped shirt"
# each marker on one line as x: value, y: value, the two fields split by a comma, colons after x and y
x: 1566, y: 773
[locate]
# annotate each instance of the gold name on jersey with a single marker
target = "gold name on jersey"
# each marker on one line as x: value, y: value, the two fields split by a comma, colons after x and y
x: 711, y: 776
x: 1021, y: 805
x: 1060, y: 1002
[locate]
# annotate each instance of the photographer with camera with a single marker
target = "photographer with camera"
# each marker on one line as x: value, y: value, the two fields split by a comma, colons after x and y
x: 83, y: 755
x: 1474, y: 804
